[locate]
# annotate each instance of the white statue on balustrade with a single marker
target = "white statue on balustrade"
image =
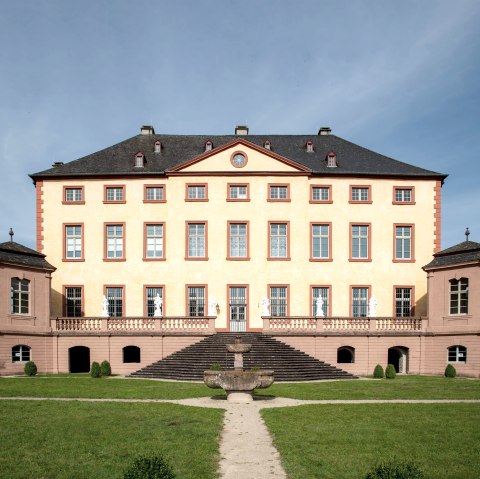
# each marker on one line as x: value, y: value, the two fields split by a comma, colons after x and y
x: 319, y: 307
x: 372, y: 307
x: 158, y: 302
x: 265, y: 307
x: 212, y: 307
x: 105, y: 307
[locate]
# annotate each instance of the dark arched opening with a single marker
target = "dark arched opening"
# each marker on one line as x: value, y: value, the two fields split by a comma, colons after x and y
x: 398, y: 356
x: 79, y: 359
x: 345, y: 354
x: 131, y: 354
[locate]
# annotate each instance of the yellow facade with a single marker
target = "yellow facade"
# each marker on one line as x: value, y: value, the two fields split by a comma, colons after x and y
x: 381, y: 273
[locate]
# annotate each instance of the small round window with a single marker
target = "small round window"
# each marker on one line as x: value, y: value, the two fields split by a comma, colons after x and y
x: 239, y: 160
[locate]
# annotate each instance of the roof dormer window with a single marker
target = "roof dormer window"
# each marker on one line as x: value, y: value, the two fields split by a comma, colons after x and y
x: 267, y: 145
x: 309, y: 146
x: 208, y: 146
x: 331, y: 160
x: 139, y: 160
x: 158, y: 147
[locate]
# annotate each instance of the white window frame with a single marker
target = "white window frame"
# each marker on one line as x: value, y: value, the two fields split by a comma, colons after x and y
x: 457, y: 354
x: 403, y: 302
x: 278, y: 240
x: 154, y: 241
x: 360, y: 237
x: 278, y: 301
x: 320, y: 238
x: 458, y: 296
x: 238, y: 240
x: 320, y: 193
x: 197, y: 192
x: 238, y: 192
x: 115, y: 241
x: 403, y: 242
x: 73, y: 242
x: 19, y: 296
x: 197, y: 240
x: 73, y: 195
x: 22, y: 352
x: 360, y: 193
x: 114, y: 193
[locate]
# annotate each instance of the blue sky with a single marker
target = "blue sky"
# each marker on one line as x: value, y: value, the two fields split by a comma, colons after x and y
x: 400, y: 78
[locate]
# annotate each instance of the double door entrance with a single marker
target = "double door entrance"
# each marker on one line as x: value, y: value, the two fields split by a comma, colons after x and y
x: 237, y: 301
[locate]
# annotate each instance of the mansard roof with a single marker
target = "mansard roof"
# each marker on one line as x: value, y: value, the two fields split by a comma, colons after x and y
x: 461, y: 253
x: 117, y: 160
x: 19, y: 255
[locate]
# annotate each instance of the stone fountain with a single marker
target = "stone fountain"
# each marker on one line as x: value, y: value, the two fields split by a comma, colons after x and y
x: 238, y: 383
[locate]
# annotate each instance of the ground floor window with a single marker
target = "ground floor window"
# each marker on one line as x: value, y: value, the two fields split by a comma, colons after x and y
x: 131, y: 354
x: 320, y: 301
x: 151, y: 293
x: 457, y: 354
x: 278, y: 301
x: 403, y: 302
x: 345, y: 354
x: 20, y: 353
x: 115, y: 301
x: 359, y: 302
x: 73, y: 301
x: 196, y: 301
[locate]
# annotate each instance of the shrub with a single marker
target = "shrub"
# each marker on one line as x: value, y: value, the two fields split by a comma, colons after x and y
x: 95, y: 370
x: 378, y: 372
x: 255, y: 369
x: 390, y: 372
x: 105, y: 369
x: 395, y: 470
x: 215, y: 367
x: 450, y: 371
x: 155, y: 467
x: 30, y: 368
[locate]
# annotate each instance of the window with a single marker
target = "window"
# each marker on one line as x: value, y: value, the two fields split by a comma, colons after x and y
x: 139, y: 160
x: 320, y: 242
x: 345, y: 354
x: 459, y: 296
x: 360, y: 243
x: 20, y: 354
x: 73, y: 243
x: 278, y: 301
x: 150, y: 295
x: 360, y: 301
x: 360, y: 194
x: 196, y: 241
x: 114, y: 244
x: 196, y: 301
x: 114, y: 194
x: 457, y: 354
x: 267, y: 145
x: 197, y: 193
x: 332, y: 160
x: 19, y: 296
x: 208, y: 146
x: 238, y: 192
x: 154, y: 194
x: 403, y: 302
x: 158, y: 147
x: 403, y: 195
x: 278, y: 241
x: 131, y: 354
x: 154, y: 241
x: 73, y: 194
x: 320, y: 299
x: 73, y: 301
x: 309, y: 146
x: 403, y: 242
x: 114, y: 296
x: 321, y: 194
x: 237, y: 240
x: 278, y: 193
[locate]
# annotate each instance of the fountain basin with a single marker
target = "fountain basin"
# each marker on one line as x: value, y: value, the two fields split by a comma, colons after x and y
x: 238, y: 347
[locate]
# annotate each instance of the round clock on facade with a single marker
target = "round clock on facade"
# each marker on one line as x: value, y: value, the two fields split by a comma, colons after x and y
x: 239, y: 160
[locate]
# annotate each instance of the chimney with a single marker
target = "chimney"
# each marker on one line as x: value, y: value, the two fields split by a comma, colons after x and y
x: 147, y: 130
x: 241, y: 130
x: 324, y: 131
x: 57, y: 164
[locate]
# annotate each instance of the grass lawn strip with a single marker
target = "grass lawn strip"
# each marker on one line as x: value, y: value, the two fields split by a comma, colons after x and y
x: 47, y: 439
x: 345, y: 441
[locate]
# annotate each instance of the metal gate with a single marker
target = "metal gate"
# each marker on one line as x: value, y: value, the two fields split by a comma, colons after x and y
x: 238, y: 308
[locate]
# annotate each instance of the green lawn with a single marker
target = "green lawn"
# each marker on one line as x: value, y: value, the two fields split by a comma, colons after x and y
x: 55, y: 439
x: 345, y: 441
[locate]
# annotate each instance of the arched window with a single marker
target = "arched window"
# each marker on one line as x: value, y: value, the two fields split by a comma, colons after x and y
x: 267, y: 145
x: 459, y: 296
x: 208, y: 146
x: 20, y: 353
x: 158, y: 147
x: 331, y: 160
x: 131, y: 354
x: 309, y: 146
x: 19, y: 296
x: 345, y: 354
x: 139, y: 160
x: 457, y: 354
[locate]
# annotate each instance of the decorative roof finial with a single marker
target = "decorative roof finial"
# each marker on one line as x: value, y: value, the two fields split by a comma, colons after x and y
x: 11, y: 233
x: 467, y: 232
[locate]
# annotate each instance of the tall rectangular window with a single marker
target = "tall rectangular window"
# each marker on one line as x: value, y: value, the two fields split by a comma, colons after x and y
x: 459, y: 296
x: 403, y: 242
x: 114, y: 296
x: 73, y: 242
x: 154, y: 193
x: 237, y: 240
x: 360, y: 248
x: 19, y: 296
x: 320, y: 241
x: 403, y: 302
x: 154, y: 241
x: 320, y: 297
x: 278, y: 240
x: 197, y: 192
x: 73, y: 301
x: 359, y: 301
x: 114, y: 241
x: 278, y: 301
x: 238, y: 192
x: 196, y: 301
x: 196, y: 240
x: 114, y: 194
x: 278, y: 192
x: 73, y: 194
x: 151, y: 293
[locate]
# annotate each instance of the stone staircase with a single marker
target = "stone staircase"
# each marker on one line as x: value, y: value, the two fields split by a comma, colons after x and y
x: 288, y: 363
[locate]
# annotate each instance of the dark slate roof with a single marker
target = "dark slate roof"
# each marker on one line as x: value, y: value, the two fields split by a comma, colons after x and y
x: 466, y: 252
x: 118, y: 160
x: 19, y: 255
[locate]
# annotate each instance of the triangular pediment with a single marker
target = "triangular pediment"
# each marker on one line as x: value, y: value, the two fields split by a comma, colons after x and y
x: 239, y: 157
